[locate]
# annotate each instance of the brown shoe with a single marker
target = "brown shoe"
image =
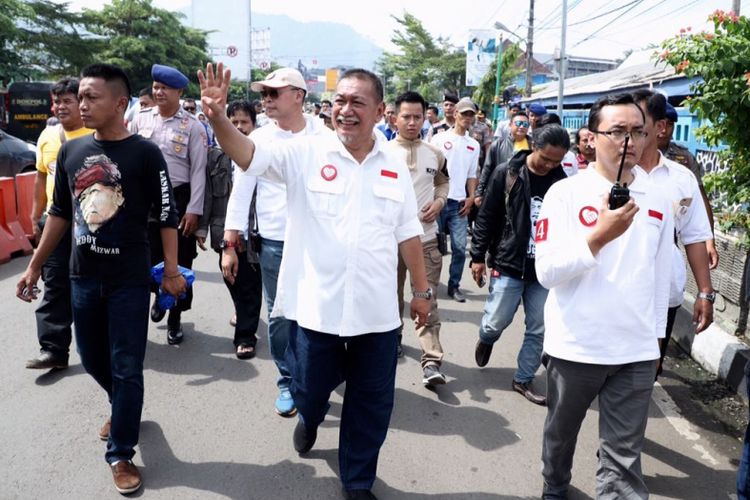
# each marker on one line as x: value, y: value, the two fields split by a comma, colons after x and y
x: 126, y: 476
x: 104, y: 431
x: 527, y: 390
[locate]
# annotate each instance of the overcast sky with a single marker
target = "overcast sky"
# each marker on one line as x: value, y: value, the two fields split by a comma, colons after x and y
x: 636, y: 25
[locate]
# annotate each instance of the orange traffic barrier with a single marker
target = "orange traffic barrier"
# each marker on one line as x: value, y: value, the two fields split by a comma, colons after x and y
x: 25, y: 199
x: 12, y: 238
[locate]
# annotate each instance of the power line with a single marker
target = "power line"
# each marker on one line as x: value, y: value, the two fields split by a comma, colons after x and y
x: 606, y: 13
x: 633, y: 6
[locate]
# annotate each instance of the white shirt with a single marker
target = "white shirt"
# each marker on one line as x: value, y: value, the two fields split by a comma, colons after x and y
x: 462, y: 153
x: 270, y: 205
x: 612, y: 308
x: 345, y: 221
x: 570, y: 164
x: 678, y: 184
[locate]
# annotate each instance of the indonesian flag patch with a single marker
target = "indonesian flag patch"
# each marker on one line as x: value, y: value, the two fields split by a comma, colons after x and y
x: 655, y: 214
x: 389, y: 173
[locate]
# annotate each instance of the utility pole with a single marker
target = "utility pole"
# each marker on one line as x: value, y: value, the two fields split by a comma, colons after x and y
x: 561, y: 68
x: 736, y: 6
x: 250, y: 49
x: 530, y: 49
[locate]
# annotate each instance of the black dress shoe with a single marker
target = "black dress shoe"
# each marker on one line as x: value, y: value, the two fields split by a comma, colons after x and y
x: 174, y: 335
x: 527, y: 391
x: 359, y: 495
x: 47, y: 360
x: 304, y: 438
x: 157, y: 313
x: 482, y: 353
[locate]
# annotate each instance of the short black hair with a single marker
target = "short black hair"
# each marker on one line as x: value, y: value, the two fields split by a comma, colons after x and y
x: 578, y: 133
x: 519, y: 113
x: 110, y: 73
x: 146, y: 91
x: 189, y: 99
x: 610, y: 100
x: 550, y: 135
x: 548, y: 119
x: 317, y: 105
x: 433, y: 108
x: 65, y: 86
x: 655, y: 103
x: 413, y: 97
x: 242, y: 105
x: 326, y: 101
x: 363, y: 74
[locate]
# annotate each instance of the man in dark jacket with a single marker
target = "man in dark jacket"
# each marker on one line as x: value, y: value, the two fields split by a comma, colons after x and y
x: 503, y: 149
x: 505, y: 227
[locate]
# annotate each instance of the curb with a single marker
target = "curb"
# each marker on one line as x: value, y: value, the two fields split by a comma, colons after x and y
x: 717, y: 351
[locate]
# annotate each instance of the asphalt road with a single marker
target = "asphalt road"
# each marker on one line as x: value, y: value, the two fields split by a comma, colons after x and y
x: 209, y: 429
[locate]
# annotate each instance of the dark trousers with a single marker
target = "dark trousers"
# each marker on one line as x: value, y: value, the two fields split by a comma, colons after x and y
x: 54, y: 314
x: 111, y: 326
x: 186, y: 246
x: 247, y: 295
x: 319, y: 363
x: 743, y: 472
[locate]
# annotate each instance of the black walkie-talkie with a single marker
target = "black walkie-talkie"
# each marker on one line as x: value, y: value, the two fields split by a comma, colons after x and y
x: 620, y: 194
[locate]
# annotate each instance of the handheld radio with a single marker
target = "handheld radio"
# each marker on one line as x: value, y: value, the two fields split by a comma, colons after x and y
x: 620, y: 194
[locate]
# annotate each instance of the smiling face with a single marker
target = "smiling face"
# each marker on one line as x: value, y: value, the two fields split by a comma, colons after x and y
x: 356, y: 110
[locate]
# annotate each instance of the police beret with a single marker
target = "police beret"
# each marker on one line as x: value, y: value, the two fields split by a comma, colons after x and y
x: 671, y: 114
x: 169, y: 76
x: 537, y: 109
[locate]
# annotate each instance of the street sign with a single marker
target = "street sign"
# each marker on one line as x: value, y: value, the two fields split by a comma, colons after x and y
x: 232, y: 51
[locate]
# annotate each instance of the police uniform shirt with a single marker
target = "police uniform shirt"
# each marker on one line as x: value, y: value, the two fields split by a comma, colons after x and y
x: 611, y: 308
x: 183, y: 142
x: 345, y: 221
x: 462, y: 153
x: 684, y: 157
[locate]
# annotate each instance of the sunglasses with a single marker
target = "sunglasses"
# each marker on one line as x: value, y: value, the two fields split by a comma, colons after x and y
x: 521, y: 123
x: 189, y: 108
x: 274, y: 93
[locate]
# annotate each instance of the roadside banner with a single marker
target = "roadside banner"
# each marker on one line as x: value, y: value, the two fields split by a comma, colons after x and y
x: 481, y: 50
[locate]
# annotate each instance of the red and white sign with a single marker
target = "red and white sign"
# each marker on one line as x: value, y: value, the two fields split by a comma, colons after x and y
x: 588, y: 216
x: 541, y: 230
x: 389, y: 173
x: 328, y: 172
x: 232, y: 51
x: 448, y: 145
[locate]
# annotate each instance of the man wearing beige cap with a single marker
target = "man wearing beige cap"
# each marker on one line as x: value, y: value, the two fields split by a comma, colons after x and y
x: 462, y: 153
x: 283, y: 93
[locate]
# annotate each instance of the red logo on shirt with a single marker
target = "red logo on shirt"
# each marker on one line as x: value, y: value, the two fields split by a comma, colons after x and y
x: 389, y: 173
x: 448, y: 145
x: 655, y: 214
x: 541, y: 230
x: 588, y: 216
x: 328, y: 172
x: 470, y: 148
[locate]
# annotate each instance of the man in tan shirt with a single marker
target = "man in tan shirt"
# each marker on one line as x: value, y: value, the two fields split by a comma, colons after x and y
x: 429, y: 175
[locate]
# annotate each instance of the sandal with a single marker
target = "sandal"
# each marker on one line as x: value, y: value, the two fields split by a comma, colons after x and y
x: 245, y: 351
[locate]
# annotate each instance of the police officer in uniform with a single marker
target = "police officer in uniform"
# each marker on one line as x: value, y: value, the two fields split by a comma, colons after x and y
x: 683, y: 156
x: 182, y: 139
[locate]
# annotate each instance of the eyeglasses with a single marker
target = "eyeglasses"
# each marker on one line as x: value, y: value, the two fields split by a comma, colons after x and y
x: 521, y: 123
x: 274, y: 93
x: 189, y: 108
x: 619, y: 135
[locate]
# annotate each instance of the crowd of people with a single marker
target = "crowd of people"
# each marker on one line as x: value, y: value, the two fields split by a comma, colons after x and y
x: 324, y: 212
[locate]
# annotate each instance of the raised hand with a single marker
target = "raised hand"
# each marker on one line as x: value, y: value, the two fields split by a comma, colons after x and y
x: 214, y: 89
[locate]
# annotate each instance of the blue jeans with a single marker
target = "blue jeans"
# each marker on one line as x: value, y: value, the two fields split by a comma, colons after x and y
x: 278, y: 328
x: 743, y: 472
x: 111, y: 326
x: 505, y: 296
x: 320, y: 362
x: 458, y: 227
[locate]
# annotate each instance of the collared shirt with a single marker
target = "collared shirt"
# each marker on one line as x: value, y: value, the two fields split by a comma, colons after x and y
x: 345, y: 221
x: 610, y: 308
x: 184, y: 144
x: 462, y: 153
x: 270, y: 204
x: 47, y: 147
x: 570, y: 164
x: 684, y: 157
x: 680, y: 187
x: 388, y: 132
x: 429, y: 175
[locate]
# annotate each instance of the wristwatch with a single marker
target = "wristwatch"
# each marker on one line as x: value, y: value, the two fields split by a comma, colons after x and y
x: 228, y: 244
x: 427, y: 294
x: 709, y: 296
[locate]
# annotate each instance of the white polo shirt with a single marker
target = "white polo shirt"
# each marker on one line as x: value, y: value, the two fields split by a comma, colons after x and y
x: 612, y: 308
x: 270, y: 205
x: 462, y: 153
x: 680, y: 187
x: 570, y: 164
x: 345, y: 221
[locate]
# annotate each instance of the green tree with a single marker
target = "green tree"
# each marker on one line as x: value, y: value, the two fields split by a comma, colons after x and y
x: 484, y: 95
x: 721, y: 99
x: 424, y: 64
x: 11, y: 66
x: 139, y: 35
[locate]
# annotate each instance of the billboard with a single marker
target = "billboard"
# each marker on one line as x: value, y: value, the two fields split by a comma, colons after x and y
x: 481, y: 50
